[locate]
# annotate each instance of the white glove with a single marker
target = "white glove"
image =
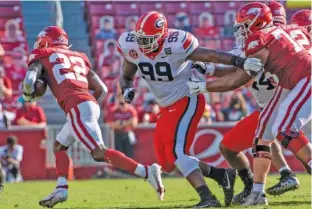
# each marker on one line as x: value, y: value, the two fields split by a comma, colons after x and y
x: 128, y: 94
x: 253, y: 66
x: 204, y: 68
x: 197, y: 87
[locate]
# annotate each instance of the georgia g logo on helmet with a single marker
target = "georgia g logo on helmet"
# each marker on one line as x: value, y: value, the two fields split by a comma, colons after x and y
x: 159, y: 23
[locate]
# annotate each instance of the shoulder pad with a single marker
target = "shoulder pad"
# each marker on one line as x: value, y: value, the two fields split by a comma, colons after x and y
x: 86, y: 59
x: 254, y: 43
x: 38, y: 54
x: 125, y: 42
x: 181, y: 41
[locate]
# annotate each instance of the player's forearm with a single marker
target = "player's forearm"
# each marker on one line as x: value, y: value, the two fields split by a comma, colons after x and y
x: 31, y: 76
x: 207, y: 55
x: 221, y: 71
x: 125, y: 82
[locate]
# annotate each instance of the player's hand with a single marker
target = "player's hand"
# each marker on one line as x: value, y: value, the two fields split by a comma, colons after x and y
x: 253, y: 66
x: 197, y: 87
x: 203, y: 68
x: 29, y: 97
x: 128, y: 94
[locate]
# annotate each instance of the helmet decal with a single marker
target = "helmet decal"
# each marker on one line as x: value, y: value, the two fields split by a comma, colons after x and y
x: 159, y: 23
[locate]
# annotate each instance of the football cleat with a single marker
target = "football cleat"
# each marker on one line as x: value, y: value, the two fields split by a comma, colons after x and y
x: 227, y: 183
x: 256, y: 198
x: 154, y: 178
x: 241, y: 197
x: 285, y: 184
x: 59, y: 195
x: 208, y: 203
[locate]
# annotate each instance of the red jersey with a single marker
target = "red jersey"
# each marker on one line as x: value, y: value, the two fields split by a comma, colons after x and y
x: 289, y: 60
x: 66, y: 74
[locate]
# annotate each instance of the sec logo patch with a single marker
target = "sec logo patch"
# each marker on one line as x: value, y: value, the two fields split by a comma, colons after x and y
x: 133, y: 54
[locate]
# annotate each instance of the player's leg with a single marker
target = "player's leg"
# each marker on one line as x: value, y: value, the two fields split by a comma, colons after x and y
x: 86, y: 129
x: 180, y: 124
x: 238, y: 139
x: 294, y: 113
x: 262, y: 148
x: 288, y: 180
x: 60, y: 146
x: 1, y: 179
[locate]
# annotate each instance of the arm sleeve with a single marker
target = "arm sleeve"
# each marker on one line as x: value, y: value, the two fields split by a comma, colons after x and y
x: 34, y: 71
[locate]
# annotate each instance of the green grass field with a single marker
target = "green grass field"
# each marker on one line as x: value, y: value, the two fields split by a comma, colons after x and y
x: 135, y: 193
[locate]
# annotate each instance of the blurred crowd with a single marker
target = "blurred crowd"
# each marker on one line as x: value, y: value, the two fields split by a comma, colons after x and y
x: 13, y: 66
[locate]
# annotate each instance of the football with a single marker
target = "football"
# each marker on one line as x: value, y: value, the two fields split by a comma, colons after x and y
x: 40, y: 87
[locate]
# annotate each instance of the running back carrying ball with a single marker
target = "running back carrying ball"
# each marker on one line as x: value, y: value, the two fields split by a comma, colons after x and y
x: 40, y: 87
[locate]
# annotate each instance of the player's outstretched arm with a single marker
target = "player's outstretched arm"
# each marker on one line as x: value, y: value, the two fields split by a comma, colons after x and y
x: 207, y: 55
x: 212, y: 70
x: 223, y: 84
x: 34, y: 71
x: 97, y: 85
x: 126, y: 80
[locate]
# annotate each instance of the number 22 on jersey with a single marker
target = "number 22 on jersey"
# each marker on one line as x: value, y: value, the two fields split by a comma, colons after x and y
x: 68, y: 67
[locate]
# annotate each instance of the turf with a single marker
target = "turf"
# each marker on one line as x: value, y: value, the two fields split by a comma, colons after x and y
x: 135, y: 193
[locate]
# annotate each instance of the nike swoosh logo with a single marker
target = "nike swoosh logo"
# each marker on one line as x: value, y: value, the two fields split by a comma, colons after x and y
x: 172, y: 110
x: 164, y: 56
x: 228, y: 182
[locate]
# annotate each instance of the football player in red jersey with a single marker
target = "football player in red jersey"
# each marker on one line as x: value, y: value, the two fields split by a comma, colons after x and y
x: 239, y: 138
x: 69, y: 76
x: 283, y: 49
x: 161, y: 56
x: 303, y: 18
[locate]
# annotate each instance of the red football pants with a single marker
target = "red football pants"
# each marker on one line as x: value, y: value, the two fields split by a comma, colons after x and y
x: 176, y: 129
x: 241, y: 136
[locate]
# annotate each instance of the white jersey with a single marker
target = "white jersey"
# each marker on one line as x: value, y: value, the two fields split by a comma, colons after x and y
x: 167, y: 72
x: 262, y: 88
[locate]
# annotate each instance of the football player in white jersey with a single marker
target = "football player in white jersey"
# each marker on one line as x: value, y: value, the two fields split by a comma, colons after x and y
x: 239, y: 138
x: 161, y: 56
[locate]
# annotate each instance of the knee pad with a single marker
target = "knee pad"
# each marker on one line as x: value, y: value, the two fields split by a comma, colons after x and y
x: 292, y: 141
x: 261, y: 151
x: 186, y: 164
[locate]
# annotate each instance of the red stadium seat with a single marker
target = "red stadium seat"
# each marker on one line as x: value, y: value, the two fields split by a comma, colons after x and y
x: 227, y: 43
x: 121, y: 21
x: 196, y: 8
x: 220, y: 19
x: 10, y: 11
x: 151, y: 6
x: 95, y: 21
x: 10, y: 3
x: 127, y: 8
x: 220, y: 6
x: 101, y: 9
x: 171, y: 20
x: 175, y: 7
x: 195, y: 21
x: 9, y: 46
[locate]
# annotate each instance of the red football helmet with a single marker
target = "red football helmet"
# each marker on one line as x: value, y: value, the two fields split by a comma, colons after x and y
x: 150, y: 31
x: 302, y: 18
x: 278, y: 12
x: 51, y: 36
x: 250, y: 18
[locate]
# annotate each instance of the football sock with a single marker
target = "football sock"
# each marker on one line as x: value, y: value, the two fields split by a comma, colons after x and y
x: 204, y: 192
x: 310, y: 163
x: 258, y: 187
x: 284, y: 168
x: 120, y: 160
x: 61, y: 182
x: 246, y: 176
x: 62, y: 163
x: 141, y: 171
x: 214, y: 173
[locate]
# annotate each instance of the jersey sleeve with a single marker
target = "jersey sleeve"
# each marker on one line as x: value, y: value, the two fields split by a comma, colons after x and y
x: 36, y: 55
x: 86, y: 60
x: 254, y: 43
x: 125, y: 45
x: 185, y: 44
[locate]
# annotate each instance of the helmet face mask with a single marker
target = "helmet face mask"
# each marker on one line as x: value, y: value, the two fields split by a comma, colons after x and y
x: 147, y: 43
x: 251, y: 18
x: 150, y: 31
